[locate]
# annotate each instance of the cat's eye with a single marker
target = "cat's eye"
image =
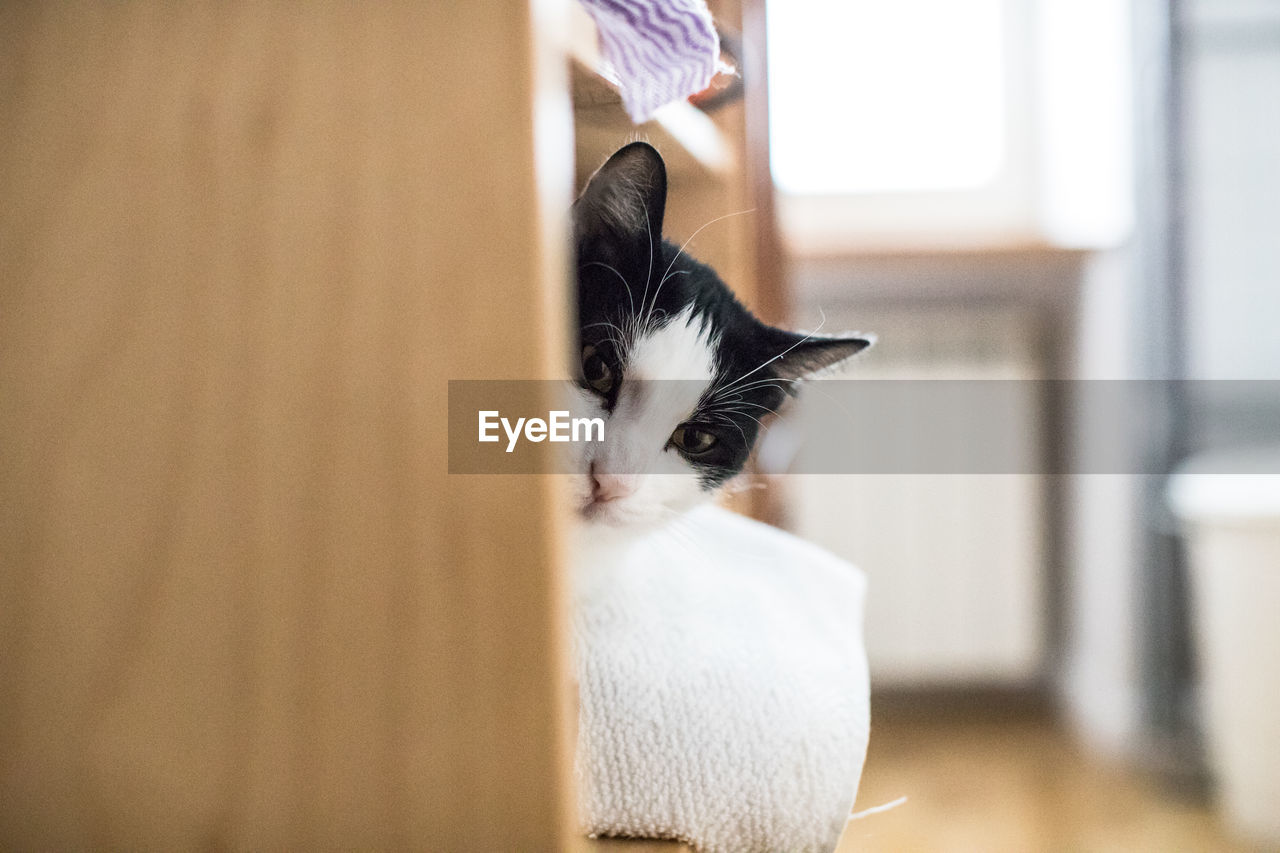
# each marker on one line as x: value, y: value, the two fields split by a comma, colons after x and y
x: 596, y: 371
x: 692, y: 440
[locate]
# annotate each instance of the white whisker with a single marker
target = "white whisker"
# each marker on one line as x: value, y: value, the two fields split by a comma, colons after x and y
x: 685, y: 244
x: 777, y: 357
x: 730, y: 406
x: 759, y: 383
x: 648, y: 277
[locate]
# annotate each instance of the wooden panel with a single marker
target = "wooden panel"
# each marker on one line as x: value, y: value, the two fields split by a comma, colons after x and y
x: 242, y: 248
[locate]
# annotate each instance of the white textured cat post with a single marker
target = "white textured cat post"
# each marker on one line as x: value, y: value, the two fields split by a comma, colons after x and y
x: 723, y: 685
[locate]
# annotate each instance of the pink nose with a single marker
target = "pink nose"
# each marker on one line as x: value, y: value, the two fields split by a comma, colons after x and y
x: 610, y: 487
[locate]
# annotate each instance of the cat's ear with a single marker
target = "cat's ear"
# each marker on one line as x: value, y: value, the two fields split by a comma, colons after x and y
x: 802, y: 356
x: 623, y: 203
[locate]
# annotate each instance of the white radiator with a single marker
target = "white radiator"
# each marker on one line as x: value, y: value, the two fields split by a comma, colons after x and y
x: 955, y: 561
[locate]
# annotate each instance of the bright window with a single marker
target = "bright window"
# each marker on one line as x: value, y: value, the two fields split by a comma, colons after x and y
x: 881, y: 96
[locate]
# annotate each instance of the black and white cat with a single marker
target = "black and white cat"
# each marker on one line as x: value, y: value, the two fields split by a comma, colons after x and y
x: 679, y: 370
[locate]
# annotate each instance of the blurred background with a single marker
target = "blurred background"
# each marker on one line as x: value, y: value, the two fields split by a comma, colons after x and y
x: 1044, y: 189
x: 245, y: 246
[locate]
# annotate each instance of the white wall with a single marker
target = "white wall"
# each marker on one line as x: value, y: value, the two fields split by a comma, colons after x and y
x: 1098, y: 675
x: 1233, y: 183
x: 1232, y: 321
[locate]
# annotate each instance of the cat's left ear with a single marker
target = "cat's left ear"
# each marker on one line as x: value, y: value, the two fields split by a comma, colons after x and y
x: 623, y: 203
x: 805, y: 355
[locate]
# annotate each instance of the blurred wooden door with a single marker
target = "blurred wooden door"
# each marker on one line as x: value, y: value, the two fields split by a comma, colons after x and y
x: 243, y: 246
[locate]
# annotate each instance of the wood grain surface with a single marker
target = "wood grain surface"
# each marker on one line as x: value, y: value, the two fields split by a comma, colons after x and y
x: 243, y: 247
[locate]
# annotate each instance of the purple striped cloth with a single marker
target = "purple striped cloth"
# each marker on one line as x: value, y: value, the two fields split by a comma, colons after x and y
x: 659, y: 51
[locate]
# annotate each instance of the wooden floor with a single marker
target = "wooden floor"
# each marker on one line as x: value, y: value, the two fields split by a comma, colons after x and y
x: 1015, y: 784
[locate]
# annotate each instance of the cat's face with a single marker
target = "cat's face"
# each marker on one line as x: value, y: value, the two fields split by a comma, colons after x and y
x: 680, y: 372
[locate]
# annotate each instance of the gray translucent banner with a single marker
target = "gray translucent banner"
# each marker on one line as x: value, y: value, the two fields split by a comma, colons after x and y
x: 909, y: 426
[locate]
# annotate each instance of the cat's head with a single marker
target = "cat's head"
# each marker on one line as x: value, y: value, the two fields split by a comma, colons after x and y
x: 682, y: 374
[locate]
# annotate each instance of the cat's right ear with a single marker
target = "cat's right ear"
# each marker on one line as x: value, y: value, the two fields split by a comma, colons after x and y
x: 620, y: 211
